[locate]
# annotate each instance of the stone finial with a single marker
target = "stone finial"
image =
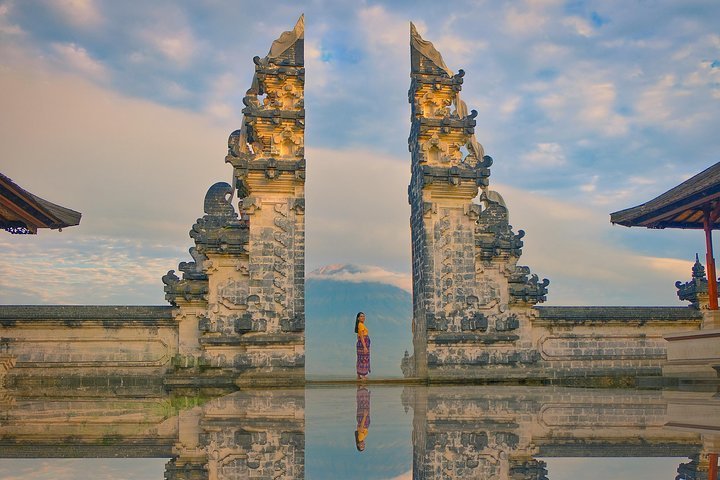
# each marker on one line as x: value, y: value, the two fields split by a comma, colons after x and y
x: 418, y: 47
x: 698, y: 270
x: 287, y: 40
x: 696, y: 290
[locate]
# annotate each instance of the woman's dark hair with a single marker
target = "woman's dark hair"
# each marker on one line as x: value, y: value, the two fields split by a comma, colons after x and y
x: 357, y: 320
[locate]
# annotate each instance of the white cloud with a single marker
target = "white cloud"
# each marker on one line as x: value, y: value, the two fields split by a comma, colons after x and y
x: 520, y: 21
x: 78, y: 59
x: 386, y: 36
x: 363, y: 273
x: 80, y: 13
x: 546, y: 155
x: 456, y: 49
x: 6, y: 26
x: 530, y: 17
x: 405, y: 476
x: 357, y: 210
x: 177, y: 47
x: 222, y: 90
x: 579, y: 25
x: 169, y: 34
x: 71, y: 268
x: 135, y: 170
x: 510, y: 105
x: 653, y: 104
x: 635, y: 180
x: 591, y: 186
x: 384, y: 28
x: 581, y: 100
x: 176, y: 91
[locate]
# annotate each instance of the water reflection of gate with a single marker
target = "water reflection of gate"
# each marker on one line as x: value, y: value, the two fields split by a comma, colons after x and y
x: 498, y: 432
x: 247, y: 434
x: 503, y: 432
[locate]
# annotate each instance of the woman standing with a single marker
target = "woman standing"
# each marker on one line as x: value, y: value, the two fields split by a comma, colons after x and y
x: 363, y: 347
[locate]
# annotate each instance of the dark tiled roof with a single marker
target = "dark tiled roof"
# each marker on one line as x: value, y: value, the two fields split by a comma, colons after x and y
x: 23, y: 212
x: 606, y: 314
x: 679, y: 207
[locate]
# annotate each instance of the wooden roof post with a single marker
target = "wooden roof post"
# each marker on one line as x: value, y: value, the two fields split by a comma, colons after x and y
x: 710, y: 260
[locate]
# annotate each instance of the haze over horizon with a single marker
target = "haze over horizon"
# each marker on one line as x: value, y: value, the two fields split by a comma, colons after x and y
x: 122, y: 111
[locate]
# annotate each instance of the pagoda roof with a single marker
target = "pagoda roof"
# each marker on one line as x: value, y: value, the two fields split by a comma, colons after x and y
x: 682, y: 206
x: 22, y: 212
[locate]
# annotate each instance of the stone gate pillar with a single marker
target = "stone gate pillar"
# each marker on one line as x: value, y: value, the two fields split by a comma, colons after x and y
x: 242, y: 301
x: 471, y: 302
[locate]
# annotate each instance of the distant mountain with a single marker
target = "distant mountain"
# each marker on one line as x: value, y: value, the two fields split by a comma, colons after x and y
x: 330, y: 309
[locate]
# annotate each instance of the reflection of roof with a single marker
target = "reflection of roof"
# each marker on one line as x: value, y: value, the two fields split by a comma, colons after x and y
x: 23, y: 212
x: 680, y: 207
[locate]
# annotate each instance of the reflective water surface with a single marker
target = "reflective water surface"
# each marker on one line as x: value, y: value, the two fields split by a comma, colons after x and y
x: 360, y: 431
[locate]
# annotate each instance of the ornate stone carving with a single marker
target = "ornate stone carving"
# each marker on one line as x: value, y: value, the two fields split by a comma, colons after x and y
x: 233, y: 293
x: 220, y: 230
x: 494, y: 235
x: 696, y: 290
x: 526, y: 288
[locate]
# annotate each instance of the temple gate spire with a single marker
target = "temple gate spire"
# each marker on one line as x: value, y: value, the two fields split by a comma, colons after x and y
x: 470, y: 299
x: 243, y: 298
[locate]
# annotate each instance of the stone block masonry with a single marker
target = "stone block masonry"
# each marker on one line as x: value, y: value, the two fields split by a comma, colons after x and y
x: 474, y: 314
x: 81, y: 347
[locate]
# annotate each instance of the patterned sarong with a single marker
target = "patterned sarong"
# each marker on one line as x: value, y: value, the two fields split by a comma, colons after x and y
x: 362, y: 398
x: 363, y: 358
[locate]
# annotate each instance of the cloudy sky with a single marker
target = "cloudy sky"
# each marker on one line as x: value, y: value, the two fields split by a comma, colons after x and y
x: 121, y: 110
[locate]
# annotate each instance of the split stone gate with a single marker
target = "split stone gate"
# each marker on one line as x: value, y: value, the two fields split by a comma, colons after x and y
x: 237, y: 313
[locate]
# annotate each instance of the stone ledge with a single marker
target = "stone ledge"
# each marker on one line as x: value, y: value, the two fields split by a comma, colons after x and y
x: 123, y: 448
x: 471, y: 338
x: 625, y: 315
x: 694, y: 335
x: 248, y: 340
x: 90, y: 312
x: 600, y: 448
x: 111, y: 316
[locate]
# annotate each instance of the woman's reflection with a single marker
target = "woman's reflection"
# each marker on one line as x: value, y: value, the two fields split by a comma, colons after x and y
x: 363, y: 417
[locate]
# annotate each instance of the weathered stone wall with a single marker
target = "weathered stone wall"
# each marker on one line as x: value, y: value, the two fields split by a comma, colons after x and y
x: 86, y: 345
x: 473, y: 305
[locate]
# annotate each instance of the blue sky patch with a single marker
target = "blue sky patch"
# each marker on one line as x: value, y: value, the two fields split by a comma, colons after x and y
x: 597, y: 20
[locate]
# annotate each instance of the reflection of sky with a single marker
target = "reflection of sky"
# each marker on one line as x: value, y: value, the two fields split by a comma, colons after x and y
x: 83, y: 469
x: 121, y: 110
x: 330, y: 423
x: 605, y: 468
